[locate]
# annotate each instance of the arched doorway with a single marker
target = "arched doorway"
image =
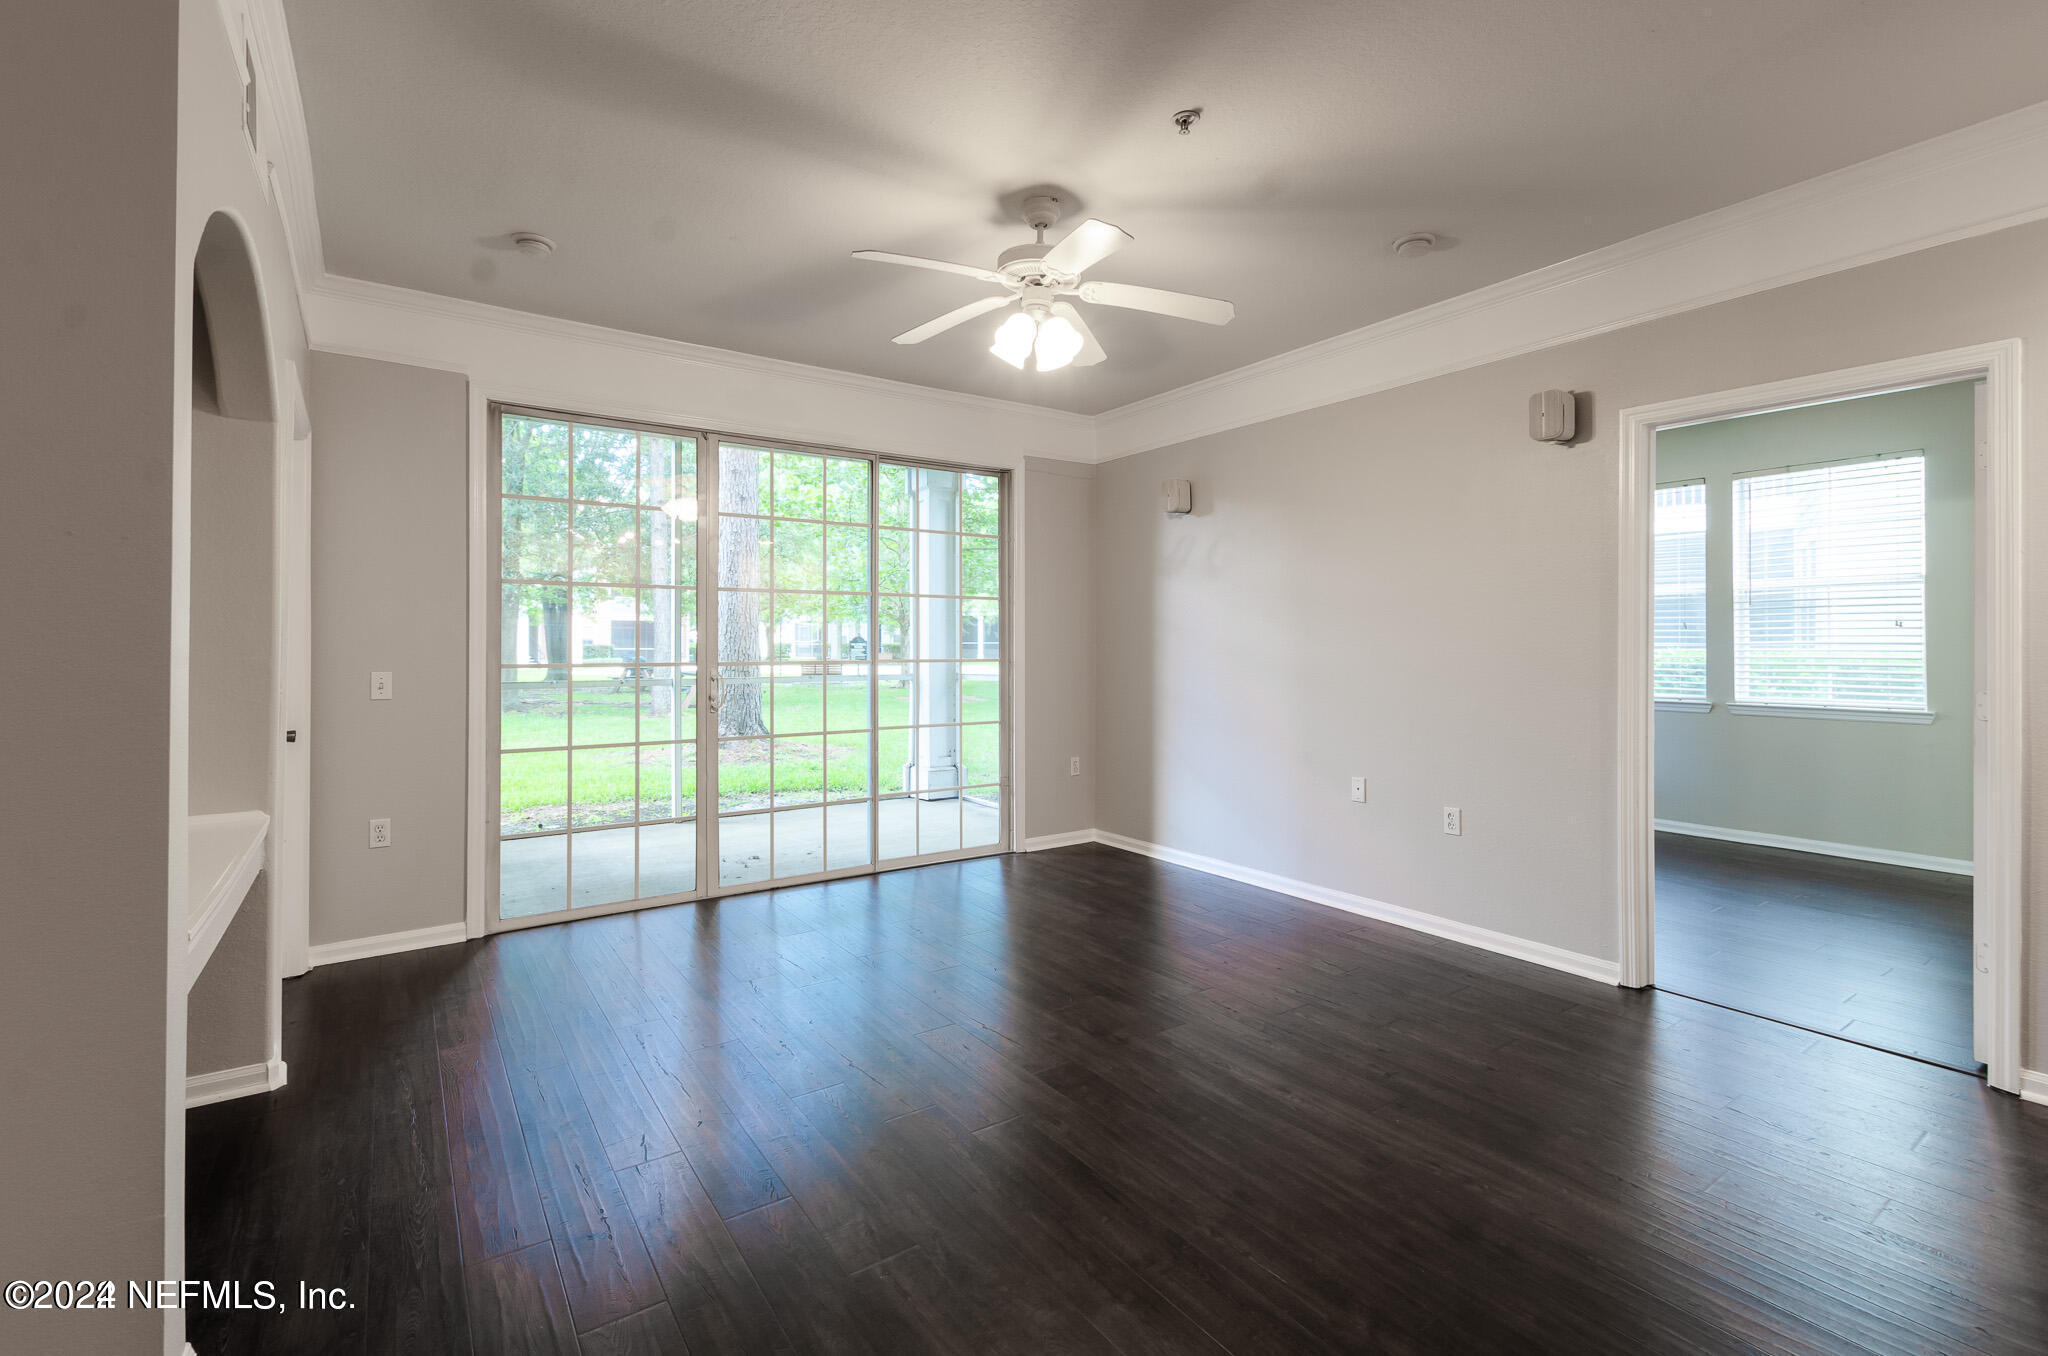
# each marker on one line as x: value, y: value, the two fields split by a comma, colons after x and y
x: 232, y: 1010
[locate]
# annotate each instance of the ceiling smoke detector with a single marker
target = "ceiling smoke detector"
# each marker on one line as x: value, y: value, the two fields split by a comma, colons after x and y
x: 533, y: 243
x: 1415, y: 244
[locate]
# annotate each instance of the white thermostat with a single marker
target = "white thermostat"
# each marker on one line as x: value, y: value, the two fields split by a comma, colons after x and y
x: 1177, y: 497
x: 1553, y: 416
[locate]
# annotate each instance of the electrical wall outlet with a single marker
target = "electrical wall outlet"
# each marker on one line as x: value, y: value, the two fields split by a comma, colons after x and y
x: 380, y: 687
x: 1358, y: 789
x: 1454, y: 823
x: 1074, y: 767
x: 380, y: 833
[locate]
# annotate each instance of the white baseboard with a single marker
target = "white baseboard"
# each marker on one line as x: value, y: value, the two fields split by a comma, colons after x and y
x: 1500, y: 943
x: 2034, y: 1086
x: 1059, y: 840
x: 227, y: 1084
x: 389, y: 943
x: 1954, y: 866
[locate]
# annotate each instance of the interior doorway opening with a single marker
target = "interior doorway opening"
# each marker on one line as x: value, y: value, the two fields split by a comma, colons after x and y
x: 1820, y: 643
x: 1813, y: 667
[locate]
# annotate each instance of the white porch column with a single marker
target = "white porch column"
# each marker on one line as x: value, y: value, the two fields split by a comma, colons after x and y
x: 935, y: 753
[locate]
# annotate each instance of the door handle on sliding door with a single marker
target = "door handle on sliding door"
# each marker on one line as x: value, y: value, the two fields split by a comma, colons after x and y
x: 714, y: 690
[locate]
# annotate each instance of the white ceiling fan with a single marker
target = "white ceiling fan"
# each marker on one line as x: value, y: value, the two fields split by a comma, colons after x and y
x: 1042, y: 277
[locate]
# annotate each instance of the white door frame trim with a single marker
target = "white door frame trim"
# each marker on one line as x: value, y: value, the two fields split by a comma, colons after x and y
x: 1998, y: 771
x: 292, y: 640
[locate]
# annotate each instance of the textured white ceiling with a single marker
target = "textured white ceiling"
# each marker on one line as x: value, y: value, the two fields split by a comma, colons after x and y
x: 707, y: 167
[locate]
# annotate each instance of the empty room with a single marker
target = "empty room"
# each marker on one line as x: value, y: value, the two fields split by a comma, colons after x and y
x: 1815, y: 661
x: 711, y: 678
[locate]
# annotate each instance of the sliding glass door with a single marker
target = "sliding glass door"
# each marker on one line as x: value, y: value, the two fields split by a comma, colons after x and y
x: 841, y: 708
x: 595, y: 761
x: 794, y: 692
x: 939, y: 671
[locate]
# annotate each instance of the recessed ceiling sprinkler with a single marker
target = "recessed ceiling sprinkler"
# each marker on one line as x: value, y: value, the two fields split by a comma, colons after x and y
x: 1186, y: 119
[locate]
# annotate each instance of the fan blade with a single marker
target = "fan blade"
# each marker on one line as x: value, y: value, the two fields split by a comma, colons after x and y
x: 1091, y: 352
x: 967, y: 270
x: 951, y: 318
x: 1208, y: 310
x: 1087, y: 244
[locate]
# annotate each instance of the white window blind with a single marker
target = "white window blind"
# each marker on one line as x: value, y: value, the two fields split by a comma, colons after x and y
x: 1681, y: 617
x: 1831, y: 585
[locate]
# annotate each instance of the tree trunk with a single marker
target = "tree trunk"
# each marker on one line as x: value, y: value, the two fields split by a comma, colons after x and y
x: 741, y: 706
x: 554, y: 618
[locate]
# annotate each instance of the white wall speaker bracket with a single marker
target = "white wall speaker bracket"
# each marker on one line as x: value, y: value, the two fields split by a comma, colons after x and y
x: 1553, y: 416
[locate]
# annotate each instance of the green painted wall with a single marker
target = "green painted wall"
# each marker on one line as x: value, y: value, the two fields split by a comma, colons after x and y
x: 1897, y: 787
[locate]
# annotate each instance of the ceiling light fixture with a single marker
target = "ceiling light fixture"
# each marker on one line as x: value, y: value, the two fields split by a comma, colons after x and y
x: 1058, y: 342
x: 1036, y: 332
x: 1014, y: 338
x: 1046, y: 279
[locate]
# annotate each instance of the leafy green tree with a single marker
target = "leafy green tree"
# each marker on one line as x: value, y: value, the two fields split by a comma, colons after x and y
x: 536, y: 537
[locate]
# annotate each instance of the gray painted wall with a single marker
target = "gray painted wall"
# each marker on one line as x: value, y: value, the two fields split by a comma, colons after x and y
x: 1901, y: 788
x: 226, y: 1009
x: 89, y: 384
x: 1405, y: 586
x: 233, y: 635
x: 390, y: 455
x: 1059, y: 655
x: 390, y: 476
x: 233, y: 688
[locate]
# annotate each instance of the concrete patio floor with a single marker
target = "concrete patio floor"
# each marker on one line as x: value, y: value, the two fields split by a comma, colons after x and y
x: 533, y: 873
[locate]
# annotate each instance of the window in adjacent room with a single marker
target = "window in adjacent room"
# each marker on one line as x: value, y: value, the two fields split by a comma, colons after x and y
x: 1681, y: 617
x: 1830, y: 585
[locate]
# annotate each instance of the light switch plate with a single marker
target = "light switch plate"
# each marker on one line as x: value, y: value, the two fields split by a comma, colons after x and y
x: 380, y: 686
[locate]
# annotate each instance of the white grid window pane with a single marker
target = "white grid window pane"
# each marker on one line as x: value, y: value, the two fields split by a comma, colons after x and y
x: 597, y: 702
x: 1681, y: 618
x: 1831, y: 586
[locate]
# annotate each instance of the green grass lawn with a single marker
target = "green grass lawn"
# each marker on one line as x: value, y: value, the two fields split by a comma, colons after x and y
x: 533, y: 787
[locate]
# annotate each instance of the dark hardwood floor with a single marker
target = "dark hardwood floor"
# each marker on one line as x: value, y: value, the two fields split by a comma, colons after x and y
x: 1870, y: 953
x: 1082, y: 1101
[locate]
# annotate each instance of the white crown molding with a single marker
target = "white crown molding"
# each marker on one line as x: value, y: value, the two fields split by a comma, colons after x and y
x: 1486, y: 939
x: 286, y: 144
x: 516, y: 355
x: 1981, y: 179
